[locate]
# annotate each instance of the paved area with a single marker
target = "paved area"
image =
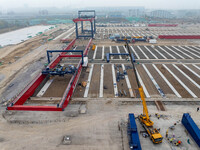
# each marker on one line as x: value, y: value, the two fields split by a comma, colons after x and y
x: 97, y: 129
x: 130, y: 30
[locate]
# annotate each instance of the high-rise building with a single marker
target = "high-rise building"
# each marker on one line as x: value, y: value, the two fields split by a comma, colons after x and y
x: 161, y: 14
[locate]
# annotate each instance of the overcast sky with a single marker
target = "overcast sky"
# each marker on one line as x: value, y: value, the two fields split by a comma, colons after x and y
x: 157, y: 4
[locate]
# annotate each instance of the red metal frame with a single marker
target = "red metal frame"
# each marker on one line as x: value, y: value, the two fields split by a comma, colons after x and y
x: 17, y: 104
x: 35, y: 108
x: 80, y: 19
x: 179, y: 36
x: 72, y: 84
x: 57, y: 59
x: 70, y: 55
x: 162, y: 25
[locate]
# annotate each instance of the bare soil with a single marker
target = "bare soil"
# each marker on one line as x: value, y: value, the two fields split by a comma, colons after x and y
x: 133, y: 82
x: 121, y: 85
x: 163, y: 85
x: 181, y: 90
x: 147, y: 82
x: 108, y: 91
x: 190, y: 74
x: 58, y: 86
x: 114, y: 50
x: 193, y: 68
x: 99, y: 53
x: 163, y: 52
x: 95, y: 82
x: 141, y: 55
x: 186, y: 81
x: 79, y: 91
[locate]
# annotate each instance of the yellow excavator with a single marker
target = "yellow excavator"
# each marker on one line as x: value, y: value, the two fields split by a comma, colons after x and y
x: 144, y: 119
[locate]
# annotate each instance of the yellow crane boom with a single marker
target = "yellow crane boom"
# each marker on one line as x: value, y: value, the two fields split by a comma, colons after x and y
x: 154, y: 134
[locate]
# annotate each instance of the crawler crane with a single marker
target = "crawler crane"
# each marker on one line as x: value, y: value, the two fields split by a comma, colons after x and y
x: 144, y: 119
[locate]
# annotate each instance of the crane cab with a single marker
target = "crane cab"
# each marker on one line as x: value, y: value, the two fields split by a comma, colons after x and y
x: 156, y: 138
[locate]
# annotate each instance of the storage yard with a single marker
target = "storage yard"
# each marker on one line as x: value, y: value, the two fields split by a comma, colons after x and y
x: 79, y: 94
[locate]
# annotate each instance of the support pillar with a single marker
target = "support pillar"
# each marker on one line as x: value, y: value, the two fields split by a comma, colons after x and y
x: 92, y: 30
x: 82, y: 27
x: 94, y: 26
x: 77, y: 30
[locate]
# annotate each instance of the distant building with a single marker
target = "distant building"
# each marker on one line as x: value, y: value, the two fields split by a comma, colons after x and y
x: 161, y: 14
x: 43, y: 12
x: 136, y: 12
x: 10, y: 13
x: 101, y: 14
x: 115, y: 14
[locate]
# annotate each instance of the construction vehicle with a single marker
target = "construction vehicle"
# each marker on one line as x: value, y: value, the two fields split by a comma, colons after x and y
x: 137, y: 37
x: 144, y: 119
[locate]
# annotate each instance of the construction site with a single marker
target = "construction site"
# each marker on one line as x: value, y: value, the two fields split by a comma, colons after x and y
x: 91, y: 86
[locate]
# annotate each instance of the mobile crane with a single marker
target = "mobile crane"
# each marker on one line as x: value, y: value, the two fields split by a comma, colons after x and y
x: 144, y: 119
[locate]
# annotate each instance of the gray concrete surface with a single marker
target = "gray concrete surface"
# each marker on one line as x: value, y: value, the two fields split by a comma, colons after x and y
x: 97, y: 129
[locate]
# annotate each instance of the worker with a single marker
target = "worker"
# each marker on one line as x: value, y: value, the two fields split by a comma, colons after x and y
x: 178, y: 143
x: 197, y: 109
x: 167, y: 133
x: 171, y: 140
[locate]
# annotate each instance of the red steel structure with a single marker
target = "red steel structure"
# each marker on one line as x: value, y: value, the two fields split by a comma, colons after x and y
x: 179, y: 36
x: 162, y: 25
x: 17, y: 103
x: 93, y: 27
x: 81, y: 19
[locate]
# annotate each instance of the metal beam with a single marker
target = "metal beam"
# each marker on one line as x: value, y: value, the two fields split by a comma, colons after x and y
x: 35, y: 108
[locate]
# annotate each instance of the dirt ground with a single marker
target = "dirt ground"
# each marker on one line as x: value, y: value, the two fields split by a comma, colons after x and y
x: 191, y: 75
x: 58, y: 86
x: 133, y: 82
x: 174, y: 82
x: 147, y: 82
x: 21, y: 55
x: 163, y: 85
x: 95, y: 82
x: 79, y: 91
x: 108, y: 90
x: 190, y: 85
x: 121, y: 85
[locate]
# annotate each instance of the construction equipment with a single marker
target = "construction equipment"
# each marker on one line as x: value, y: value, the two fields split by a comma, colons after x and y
x: 137, y: 37
x: 60, y: 70
x: 191, y: 127
x: 133, y: 136
x: 144, y: 119
x: 83, y: 84
x: 93, y: 47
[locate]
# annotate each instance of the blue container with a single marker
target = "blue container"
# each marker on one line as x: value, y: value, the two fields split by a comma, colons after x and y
x: 134, y: 141
x: 140, y: 39
x: 122, y: 40
x: 191, y: 127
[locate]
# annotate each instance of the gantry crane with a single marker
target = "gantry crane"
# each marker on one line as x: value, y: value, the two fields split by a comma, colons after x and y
x: 144, y: 119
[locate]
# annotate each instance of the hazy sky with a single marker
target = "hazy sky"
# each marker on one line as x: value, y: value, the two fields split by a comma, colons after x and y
x: 163, y: 4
